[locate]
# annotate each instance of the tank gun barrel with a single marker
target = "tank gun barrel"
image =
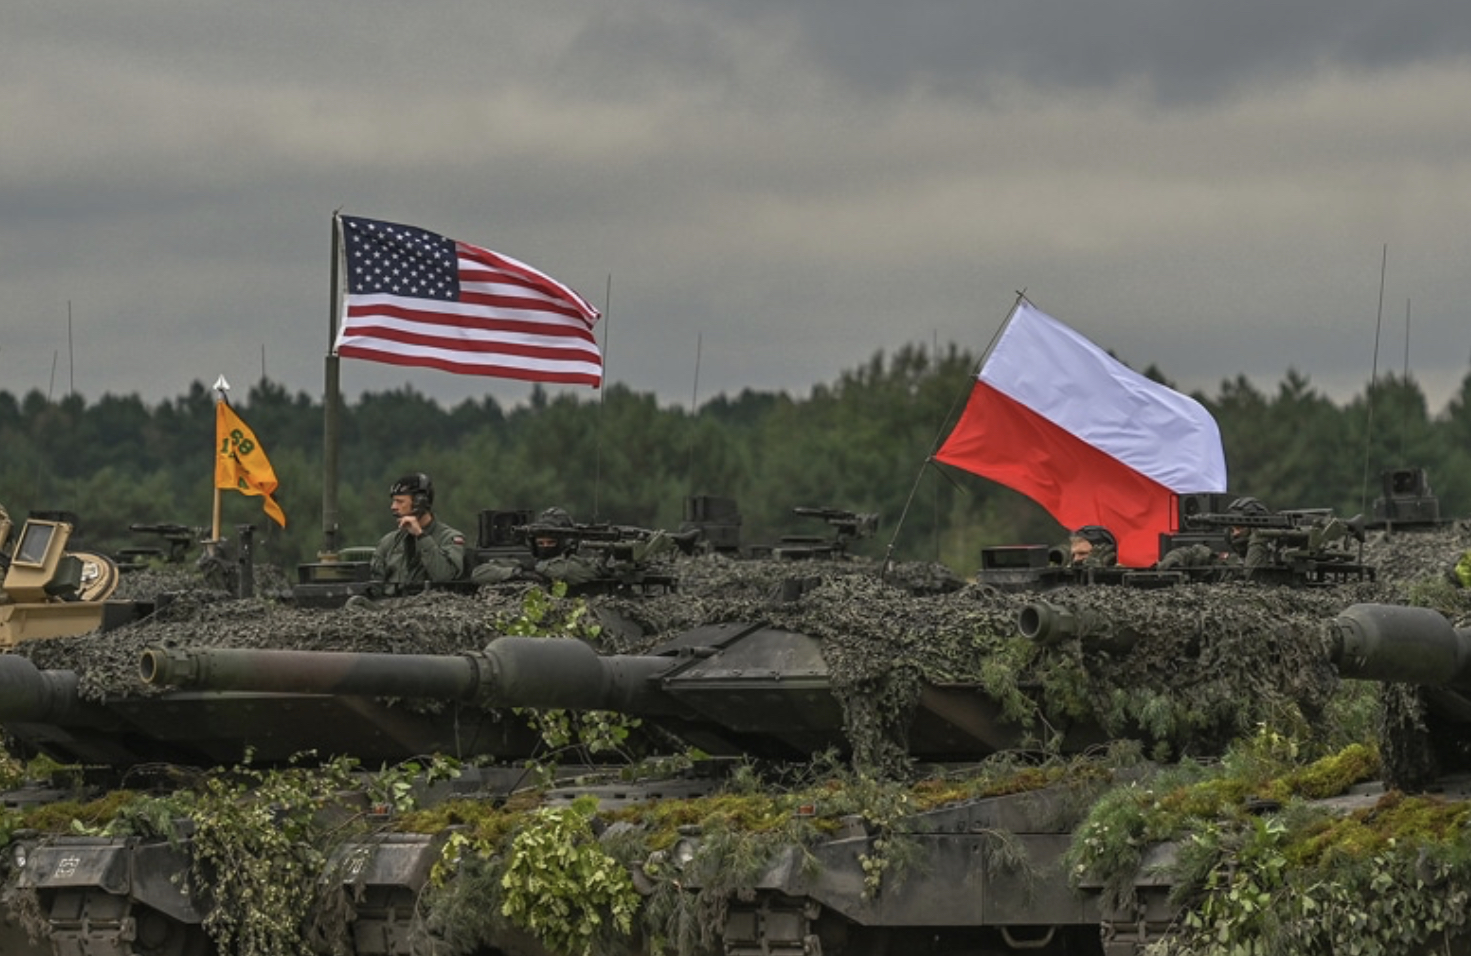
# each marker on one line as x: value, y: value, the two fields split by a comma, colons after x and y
x: 1378, y: 642
x: 1394, y: 644
x: 1048, y: 624
x: 510, y: 672
x: 31, y: 695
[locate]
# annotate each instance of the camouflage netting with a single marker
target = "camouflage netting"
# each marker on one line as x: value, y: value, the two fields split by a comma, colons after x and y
x: 1196, y: 666
x: 1413, y: 555
x: 1207, y: 662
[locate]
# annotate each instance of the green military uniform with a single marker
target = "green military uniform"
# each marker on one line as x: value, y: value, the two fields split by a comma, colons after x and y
x: 577, y: 568
x: 1257, y: 552
x: 1249, y: 551
x: 404, y: 563
x: 1191, y: 556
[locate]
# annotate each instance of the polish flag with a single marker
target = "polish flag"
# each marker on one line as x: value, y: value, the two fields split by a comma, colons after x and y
x: 1056, y: 418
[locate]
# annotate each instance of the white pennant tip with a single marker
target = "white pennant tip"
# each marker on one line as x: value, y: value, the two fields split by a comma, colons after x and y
x: 221, y: 385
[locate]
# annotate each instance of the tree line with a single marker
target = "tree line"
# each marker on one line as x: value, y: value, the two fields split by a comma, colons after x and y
x: 859, y: 443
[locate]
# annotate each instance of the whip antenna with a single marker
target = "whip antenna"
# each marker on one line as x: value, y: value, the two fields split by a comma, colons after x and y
x: 1373, y: 376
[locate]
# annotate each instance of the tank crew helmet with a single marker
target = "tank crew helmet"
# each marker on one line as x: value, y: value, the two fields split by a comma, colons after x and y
x: 1096, y: 535
x: 549, y: 545
x: 418, y: 486
x: 557, y: 517
x: 1246, y: 505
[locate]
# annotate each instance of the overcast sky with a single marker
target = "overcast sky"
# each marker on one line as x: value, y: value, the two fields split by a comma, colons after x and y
x: 777, y: 190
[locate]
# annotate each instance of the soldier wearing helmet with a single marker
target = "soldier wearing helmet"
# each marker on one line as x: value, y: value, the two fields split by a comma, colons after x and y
x: 421, y: 550
x: 1092, y: 546
x: 1246, y: 543
x: 1245, y: 546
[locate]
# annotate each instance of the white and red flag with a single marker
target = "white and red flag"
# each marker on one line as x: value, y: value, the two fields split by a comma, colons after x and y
x: 415, y: 297
x: 1056, y: 418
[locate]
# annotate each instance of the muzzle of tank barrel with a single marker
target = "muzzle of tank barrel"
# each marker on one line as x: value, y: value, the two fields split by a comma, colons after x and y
x: 1050, y: 624
x: 1393, y: 644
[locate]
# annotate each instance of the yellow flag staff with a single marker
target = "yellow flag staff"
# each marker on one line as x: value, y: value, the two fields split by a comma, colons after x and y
x: 240, y: 462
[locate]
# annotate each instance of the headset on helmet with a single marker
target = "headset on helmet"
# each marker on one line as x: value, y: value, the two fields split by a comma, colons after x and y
x: 419, y: 486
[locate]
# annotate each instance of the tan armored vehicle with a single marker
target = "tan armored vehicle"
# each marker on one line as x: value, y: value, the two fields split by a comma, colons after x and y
x: 45, y: 590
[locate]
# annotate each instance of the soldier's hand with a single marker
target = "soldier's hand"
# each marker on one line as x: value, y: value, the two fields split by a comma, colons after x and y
x: 410, y: 523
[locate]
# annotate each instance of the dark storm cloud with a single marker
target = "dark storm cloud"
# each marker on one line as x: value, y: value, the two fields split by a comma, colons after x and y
x: 1205, y: 188
x: 1180, y: 51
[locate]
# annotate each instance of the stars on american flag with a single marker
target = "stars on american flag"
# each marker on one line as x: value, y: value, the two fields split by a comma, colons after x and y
x: 391, y: 259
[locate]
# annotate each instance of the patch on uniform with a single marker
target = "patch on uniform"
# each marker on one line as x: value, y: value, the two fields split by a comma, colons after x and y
x: 459, y: 539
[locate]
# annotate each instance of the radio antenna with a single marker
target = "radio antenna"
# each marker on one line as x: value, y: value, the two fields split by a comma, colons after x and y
x: 71, y: 360
x: 1406, y: 380
x: 694, y: 413
x: 1373, y: 376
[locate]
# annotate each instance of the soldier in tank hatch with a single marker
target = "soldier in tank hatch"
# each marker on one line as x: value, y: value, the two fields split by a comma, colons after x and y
x: 422, y: 549
x: 1092, y: 546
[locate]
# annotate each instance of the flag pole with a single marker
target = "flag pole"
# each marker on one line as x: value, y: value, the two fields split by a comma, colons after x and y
x: 221, y: 386
x: 332, y: 404
x: 1021, y: 297
x: 597, y: 481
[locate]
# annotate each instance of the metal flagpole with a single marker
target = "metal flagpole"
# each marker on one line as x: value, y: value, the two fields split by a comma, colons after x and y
x: 212, y: 545
x: 597, y: 481
x: 332, y: 404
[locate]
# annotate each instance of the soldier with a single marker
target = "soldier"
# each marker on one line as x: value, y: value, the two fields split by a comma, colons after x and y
x: 1245, y: 546
x: 557, y: 559
x: 421, y: 550
x: 554, y: 557
x: 1246, y: 543
x: 1092, y: 546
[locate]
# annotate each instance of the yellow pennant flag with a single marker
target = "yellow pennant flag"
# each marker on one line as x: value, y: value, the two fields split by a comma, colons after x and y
x: 241, y: 463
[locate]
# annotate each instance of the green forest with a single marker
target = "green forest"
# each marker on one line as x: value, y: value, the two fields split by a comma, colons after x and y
x: 859, y: 443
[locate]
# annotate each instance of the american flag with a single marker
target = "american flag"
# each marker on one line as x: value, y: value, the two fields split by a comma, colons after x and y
x: 418, y: 298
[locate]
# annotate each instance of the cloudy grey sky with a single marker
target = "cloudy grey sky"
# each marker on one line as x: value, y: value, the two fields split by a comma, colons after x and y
x: 782, y: 189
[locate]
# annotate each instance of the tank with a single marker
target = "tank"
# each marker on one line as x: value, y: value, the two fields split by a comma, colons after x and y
x: 948, y: 832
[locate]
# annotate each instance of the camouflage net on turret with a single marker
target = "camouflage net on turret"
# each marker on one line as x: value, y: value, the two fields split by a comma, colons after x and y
x: 1209, y: 662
